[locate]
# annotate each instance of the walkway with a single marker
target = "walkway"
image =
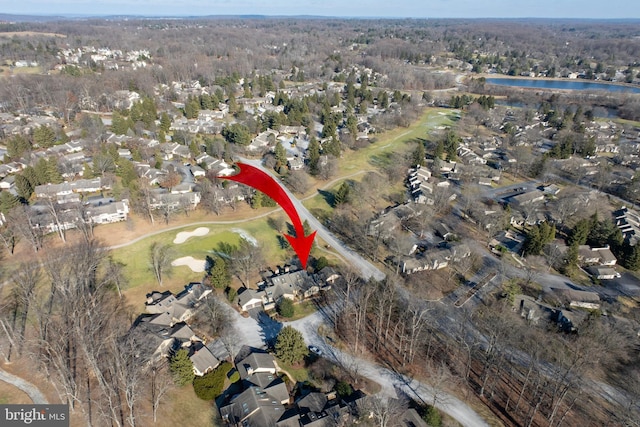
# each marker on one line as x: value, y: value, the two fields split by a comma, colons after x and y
x: 32, y: 391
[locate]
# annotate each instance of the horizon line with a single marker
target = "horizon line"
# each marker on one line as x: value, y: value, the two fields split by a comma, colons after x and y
x: 313, y: 16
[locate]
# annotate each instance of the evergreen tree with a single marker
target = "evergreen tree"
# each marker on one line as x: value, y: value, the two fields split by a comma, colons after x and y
x: 314, y: 156
x: 17, y: 146
x: 165, y: 123
x: 419, y: 154
x: 342, y: 194
x: 219, y: 274
x: 631, y: 259
x: 290, y: 346
x: 210, y: 385
x: 44, y: 136
x: 237, y: 133
x: 120, y: 124
x: 281, y: 157
x: 285, y: 307
x: 451, y: 145
x: 256, y: 200
x: 181, y: 368
x: 333, y: 147
x: 7, y: 202
x: 537, y: 237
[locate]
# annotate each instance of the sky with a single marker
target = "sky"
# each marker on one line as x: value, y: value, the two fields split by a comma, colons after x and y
x: 590, y: 9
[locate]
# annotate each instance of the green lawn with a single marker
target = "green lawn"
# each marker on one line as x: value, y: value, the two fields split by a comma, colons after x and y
x: 135, y: 257
x: 376, y: 154
x: 394, y: 140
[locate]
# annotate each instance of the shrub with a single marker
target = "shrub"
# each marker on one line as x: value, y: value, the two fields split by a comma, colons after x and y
x: 210, y: 385
x: 285, y: 307
x: 235, y: 377
x: 344, y: 389
x: 231, y: 294
x: 432, y: 417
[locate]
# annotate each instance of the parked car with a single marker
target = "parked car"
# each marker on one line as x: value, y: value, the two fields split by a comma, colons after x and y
x: 315, y: 350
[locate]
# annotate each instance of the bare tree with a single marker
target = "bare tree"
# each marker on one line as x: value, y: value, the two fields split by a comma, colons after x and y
x: 213, y: 317
x: 247, y: 260
x: 439, y: 377
x: 25, y: 279
x: 160, y: 383
x: 21, y: 220
x: 8, y: 237
x: 160, y: 257
x: 114, y: 272
x: 383, y: 412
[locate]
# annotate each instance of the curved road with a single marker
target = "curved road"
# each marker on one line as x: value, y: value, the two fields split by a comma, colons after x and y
x: 367, y: 270
x: 255, y: 333
x: 32, y: 391
x: 389, y: 380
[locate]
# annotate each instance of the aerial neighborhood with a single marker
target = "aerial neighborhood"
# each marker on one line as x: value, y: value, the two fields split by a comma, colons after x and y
x: 473, y: 220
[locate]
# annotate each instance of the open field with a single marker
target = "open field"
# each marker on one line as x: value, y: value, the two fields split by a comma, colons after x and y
x: 12, y: 395
x: 394, y: 140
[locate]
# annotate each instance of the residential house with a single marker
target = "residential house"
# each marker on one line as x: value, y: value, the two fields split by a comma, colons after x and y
x: 573, y: 298
x: 202, y: 358
x: 629, y: 224
x: 601, y: 256
x: 154, y: 341
x: 8, y: 183
x: 261, y: 404
x: 444, y: 231
x: 181, y: 307
x: 295, y: 163
x: 109, y: 213
x: 485, y: 181
x: 286, y: 284
x: 197, y: 171
x: 603, y: 273
x: 249, y: 299
x: 528, y: 198
x: 170, y: 150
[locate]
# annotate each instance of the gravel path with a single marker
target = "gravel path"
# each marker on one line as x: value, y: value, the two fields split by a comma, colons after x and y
x: 32, y: 391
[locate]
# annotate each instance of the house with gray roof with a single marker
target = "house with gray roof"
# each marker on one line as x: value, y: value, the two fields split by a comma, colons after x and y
x: 252, y: 407
x: 202, y: 358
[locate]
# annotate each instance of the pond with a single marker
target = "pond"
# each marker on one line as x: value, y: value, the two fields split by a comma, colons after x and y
x: 562, y: 85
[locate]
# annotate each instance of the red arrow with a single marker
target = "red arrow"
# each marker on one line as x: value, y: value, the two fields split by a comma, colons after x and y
x: 263, y: 182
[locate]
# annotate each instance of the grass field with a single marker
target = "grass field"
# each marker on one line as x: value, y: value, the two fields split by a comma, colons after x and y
x: 12, y: 395
x: 395, y: 140
x: 136, y: 256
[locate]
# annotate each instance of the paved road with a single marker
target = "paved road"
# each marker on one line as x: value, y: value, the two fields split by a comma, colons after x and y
x: 391, y: 382
x: 254, y: 332
x: 366, y: 269
x: 32, y: 391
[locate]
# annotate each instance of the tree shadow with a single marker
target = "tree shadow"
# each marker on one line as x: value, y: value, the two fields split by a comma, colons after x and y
x: 328, y: 196
x: 269, y: 328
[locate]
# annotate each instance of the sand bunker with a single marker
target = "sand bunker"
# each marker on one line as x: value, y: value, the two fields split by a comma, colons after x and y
x: 196, y: 265
x: 182, y: 236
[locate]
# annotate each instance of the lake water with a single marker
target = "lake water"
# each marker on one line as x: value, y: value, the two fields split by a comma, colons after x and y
x: 562, y: 84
